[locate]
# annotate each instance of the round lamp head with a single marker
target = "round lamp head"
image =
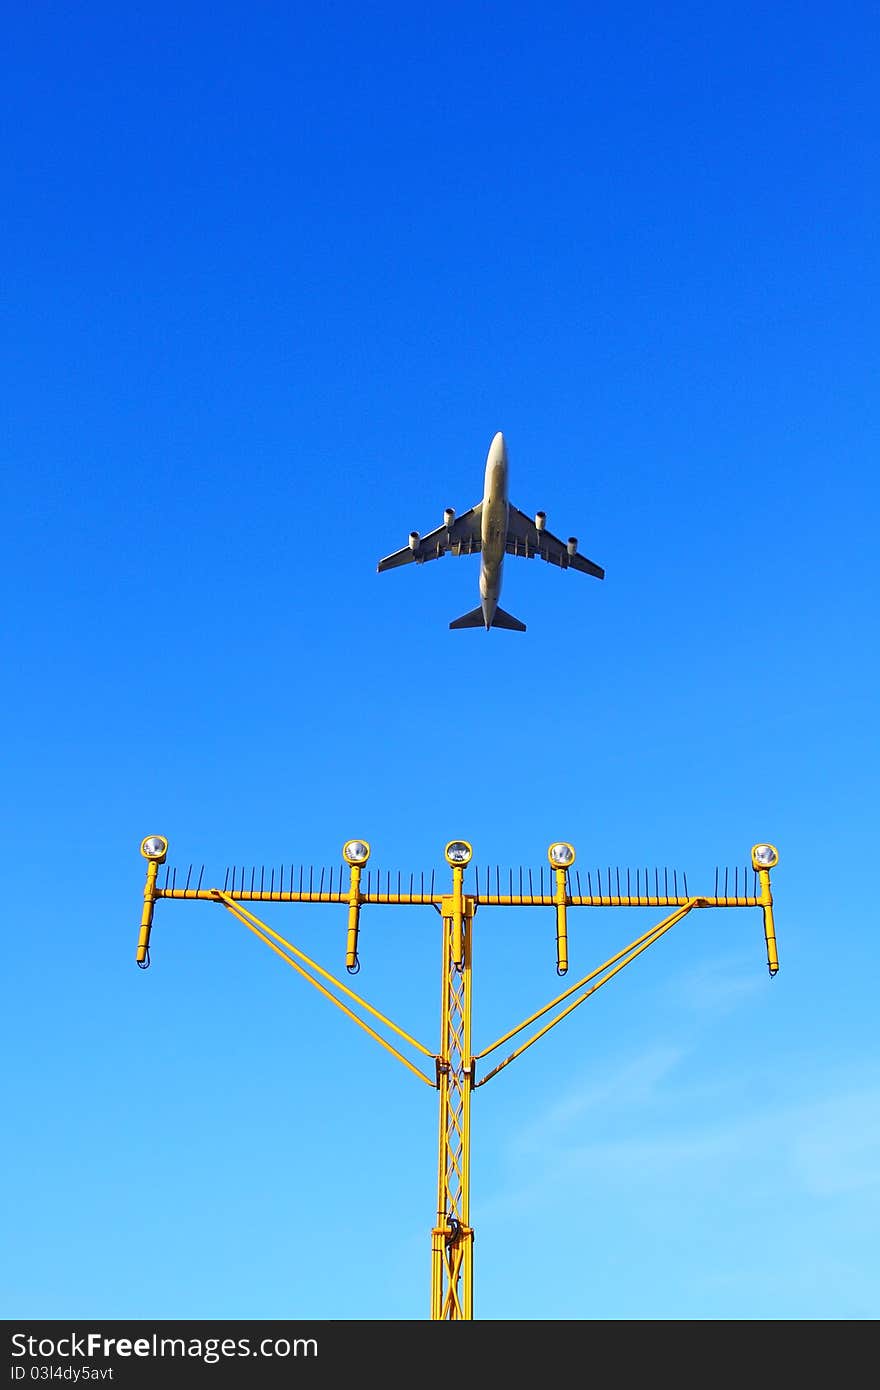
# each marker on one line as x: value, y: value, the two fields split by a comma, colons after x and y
x: 355, y: 851
x: 154, y: 847
x: 764, y: 856
x: 458, y: 852
x: 561, y: 855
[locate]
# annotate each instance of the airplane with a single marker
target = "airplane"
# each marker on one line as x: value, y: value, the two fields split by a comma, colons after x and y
x: 492, y: 529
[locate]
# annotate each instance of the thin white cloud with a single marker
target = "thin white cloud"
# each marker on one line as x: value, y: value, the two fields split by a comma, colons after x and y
x: 638, y: 1079
x: 720, y: 986
x: 823, y: 1146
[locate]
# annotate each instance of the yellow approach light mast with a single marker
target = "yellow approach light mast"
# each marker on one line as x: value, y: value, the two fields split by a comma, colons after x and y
x: 452, y: 1070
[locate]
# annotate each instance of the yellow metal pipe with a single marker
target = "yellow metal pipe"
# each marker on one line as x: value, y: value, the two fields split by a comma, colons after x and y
x: 439, y: 1233
x: 434, y: 899
x: 584, y: 900
x: 561, y: 924
x: 452, y: 1236
x: 769, y: 927
x: 354, y: 910
x: 466, y: 1235
x: 438, y: 1248
x: 150, y: 895
x: 260, y: 895
x: 457, y: 882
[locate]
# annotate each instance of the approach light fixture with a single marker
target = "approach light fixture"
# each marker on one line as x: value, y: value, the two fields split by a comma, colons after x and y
x: 154, y: 847
x: 458, y: 852
x: 355, y: 851
x: 764, y: 856
x: 561, y: 855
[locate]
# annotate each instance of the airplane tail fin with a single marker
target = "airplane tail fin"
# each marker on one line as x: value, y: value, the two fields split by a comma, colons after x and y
x: 500, y: 619
x: 473, y: 619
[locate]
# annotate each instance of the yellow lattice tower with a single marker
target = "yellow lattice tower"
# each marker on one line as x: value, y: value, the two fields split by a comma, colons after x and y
x: 454, y: 1064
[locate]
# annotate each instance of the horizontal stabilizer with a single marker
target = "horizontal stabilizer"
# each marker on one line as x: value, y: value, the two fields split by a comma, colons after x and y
x: 476, y: 618
x: 472, y: 619
x: 502, y: 619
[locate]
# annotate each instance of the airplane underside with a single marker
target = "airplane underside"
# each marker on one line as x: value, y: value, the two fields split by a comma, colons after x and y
x: 492, y: 528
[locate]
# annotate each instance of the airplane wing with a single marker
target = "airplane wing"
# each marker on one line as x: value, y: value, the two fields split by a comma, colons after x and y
x: 463, y: 537
x: 524, y: 538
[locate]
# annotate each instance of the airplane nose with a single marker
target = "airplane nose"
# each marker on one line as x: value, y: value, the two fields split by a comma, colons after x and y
x: 498, y: 448
x: 496, y: 465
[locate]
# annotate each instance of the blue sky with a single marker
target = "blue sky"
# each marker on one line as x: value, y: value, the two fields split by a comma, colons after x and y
x: 273, y: 277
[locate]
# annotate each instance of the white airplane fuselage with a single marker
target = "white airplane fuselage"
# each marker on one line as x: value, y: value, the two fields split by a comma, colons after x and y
x: 493, y: 527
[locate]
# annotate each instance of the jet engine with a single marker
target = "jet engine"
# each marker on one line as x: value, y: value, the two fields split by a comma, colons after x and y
x: 572, y: 546
x: 448, y: 516
x: 540, y: 520
x: 414, y: 539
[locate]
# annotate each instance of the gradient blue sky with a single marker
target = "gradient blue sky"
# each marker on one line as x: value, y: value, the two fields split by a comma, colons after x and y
x: 273, y: 277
